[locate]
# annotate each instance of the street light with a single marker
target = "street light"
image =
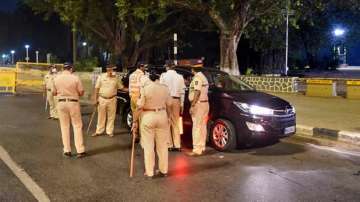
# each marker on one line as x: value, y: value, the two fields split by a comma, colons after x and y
x: 339, y: 46
x: 84, y: 44
x: 338, y: 32
x: 12, y: 56
x: 287, y: 12
x: 27, y: 53
x: 175, y: 48
x: 3, y: 58
x: 37, y: 56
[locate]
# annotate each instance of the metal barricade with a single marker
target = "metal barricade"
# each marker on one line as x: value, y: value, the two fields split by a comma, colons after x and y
x: 7, y: 80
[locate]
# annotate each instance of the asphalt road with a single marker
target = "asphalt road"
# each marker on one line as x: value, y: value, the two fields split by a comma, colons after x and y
x: 294, y: 169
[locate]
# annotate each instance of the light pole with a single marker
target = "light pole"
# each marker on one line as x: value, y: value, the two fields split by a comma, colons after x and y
x: 27, y: 53
x: 287, y: 13
x: 339, y: 47
x: 37, y: 56
x: 175, y: 48
x: 84, y: 44
x: 3, y: 58
x: 12, y: 56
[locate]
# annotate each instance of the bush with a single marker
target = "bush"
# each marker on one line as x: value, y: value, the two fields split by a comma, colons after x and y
x: 87, y: 64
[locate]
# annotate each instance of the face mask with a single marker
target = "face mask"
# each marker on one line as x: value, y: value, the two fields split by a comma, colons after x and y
x: 53, y: 70
x: 113, y: 73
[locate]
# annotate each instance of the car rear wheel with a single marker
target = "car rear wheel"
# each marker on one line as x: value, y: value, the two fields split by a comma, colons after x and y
x: 223, y: 135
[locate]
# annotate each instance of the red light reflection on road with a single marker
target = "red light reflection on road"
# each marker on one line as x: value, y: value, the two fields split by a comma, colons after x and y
x: 181, y: 168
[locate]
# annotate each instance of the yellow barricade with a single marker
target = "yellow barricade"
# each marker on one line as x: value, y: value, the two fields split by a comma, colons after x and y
x: 30, y: 76
x: 7, y: 80
x: 321, y: 88
x: 353, y: 89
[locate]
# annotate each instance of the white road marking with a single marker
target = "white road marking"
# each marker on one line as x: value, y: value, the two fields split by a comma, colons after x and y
x: 351, y: 153
x: 29, y: 183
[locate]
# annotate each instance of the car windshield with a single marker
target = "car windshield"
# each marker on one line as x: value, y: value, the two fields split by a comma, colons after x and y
x: 231, y: 83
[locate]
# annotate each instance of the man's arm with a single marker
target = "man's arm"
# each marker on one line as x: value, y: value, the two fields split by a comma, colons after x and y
x: 196, y: 97
x: 80, y: 88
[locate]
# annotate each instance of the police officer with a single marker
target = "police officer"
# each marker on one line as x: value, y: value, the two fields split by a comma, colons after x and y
x: 199, y: 110
x: 48, y: 86
x: 105, y: 97
x: 69, y: 89
x: 153, y: 108
x: 136, y: 80
x: 176, y: 85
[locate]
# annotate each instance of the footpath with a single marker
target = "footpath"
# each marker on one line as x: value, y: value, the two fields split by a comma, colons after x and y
x: 332, y: 118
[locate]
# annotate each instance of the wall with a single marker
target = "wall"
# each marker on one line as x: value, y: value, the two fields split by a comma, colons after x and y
x: 271, y: 84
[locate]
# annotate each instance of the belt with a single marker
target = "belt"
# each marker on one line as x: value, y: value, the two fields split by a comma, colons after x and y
x: 108, y: 97
x: 48, y: 89
x: 68, y: 100
x: 204, y: 101
x: 154, y: 110
x: 175, y: 97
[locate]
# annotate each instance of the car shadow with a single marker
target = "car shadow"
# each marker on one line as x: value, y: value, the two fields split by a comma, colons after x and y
x: 274, y: 149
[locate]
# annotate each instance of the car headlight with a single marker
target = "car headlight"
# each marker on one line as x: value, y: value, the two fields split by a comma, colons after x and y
x: 254, y: 109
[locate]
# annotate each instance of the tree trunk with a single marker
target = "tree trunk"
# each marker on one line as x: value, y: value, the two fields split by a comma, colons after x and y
x: 228, y: 57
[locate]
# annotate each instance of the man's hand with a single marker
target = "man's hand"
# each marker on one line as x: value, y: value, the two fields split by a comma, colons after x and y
x: 181, y: 110
x: 134, y: 128
x: 191, y: 110
x: 96, y: 102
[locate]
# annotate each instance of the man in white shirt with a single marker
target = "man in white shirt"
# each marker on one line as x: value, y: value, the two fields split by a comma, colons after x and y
x: 176, y: 85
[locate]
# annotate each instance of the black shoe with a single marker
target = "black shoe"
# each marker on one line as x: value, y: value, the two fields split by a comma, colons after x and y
x: 81, y: 155
x: 54, y: 118
x: 171, y: 149
x: 160, y: 175
x: 67, y: 154
x: 148, y: 177
x: 177, y: 149
x: 49, y: 117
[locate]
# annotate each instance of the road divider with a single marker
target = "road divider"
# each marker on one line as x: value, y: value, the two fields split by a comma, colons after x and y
x: 336, y: 135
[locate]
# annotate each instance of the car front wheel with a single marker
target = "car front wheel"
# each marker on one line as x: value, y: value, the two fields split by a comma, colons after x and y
x: 129, y: 119
x: 223, y: 135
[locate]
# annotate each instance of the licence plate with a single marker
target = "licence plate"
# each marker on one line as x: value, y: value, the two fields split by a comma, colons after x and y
x: 289, y: 130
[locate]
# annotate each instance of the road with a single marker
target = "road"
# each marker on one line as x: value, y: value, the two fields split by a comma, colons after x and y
x: 294, y: 169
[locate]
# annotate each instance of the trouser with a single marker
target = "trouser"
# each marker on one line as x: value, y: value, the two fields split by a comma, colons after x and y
x: 51, y: 99
x: 106, y: 110
x: 199, y: 130
x: 155, y: 135
x: 175, y: 138
x: 133, y: 106
x: 70, y: 112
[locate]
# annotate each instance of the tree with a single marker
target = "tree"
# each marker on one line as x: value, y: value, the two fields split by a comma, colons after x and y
x: 233, y: 18
x: 126, y: 28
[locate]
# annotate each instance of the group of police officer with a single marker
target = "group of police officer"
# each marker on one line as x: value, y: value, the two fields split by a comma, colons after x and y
x: 157, y: 103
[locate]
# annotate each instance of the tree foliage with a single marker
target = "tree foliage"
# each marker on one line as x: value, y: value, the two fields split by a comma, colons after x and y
x: 126, y: 28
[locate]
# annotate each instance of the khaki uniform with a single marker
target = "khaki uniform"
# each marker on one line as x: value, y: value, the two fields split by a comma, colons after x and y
x: 134, y: 87
x: 200, y: 112
x: 108, y: 87
x: 68, y: 88
x: 50, y: 98
x: 176, y: 85
x: 154, y: 125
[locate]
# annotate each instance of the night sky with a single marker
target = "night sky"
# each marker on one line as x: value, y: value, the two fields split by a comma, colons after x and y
x: 8, y: 5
